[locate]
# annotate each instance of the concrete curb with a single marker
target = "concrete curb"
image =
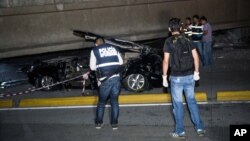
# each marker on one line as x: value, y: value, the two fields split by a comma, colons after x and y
x: 50, y: 102
x: 92, y: 100
x: 123, y: 99
x: 233, y: 96
x: 6, y: 103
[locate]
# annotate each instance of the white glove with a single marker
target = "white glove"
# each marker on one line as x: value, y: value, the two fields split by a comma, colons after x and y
x: 164, y: 81
x: 196, y: 76
x: 99, y: 83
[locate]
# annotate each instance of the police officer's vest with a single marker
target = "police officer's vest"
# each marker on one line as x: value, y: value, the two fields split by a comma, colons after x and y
x: 107, y: 60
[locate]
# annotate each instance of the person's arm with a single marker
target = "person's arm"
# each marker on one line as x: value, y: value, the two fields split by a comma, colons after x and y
x: 196, y: 60
x: 92, y: 62
x: 165, y: 63
x: 205, y: 32
x: 120, y: 58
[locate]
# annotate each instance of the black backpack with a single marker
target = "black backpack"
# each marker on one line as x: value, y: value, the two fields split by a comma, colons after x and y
x: 181, y: 54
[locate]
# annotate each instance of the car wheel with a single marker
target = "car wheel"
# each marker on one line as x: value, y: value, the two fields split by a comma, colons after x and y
x: 45, y: 81
x: 136, y: 82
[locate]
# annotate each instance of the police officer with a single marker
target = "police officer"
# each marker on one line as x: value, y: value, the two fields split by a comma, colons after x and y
x: 106, y: 60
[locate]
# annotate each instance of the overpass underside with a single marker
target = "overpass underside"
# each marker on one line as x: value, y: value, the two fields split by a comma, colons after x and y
x: 39, y: 26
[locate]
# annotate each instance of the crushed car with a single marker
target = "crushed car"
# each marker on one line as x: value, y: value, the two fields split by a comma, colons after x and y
x: 48, y: 72
x: 141, y: 72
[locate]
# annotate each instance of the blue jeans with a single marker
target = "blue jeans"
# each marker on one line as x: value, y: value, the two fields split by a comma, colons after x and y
x: 207, y: 53
x: 109, y: 89
x: 178, y: 85
x: 198, y: 46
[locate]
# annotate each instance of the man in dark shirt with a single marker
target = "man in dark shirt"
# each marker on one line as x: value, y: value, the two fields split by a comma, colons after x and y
x: 187, y: 27
x: 183, y: 60
x: 197, y: 33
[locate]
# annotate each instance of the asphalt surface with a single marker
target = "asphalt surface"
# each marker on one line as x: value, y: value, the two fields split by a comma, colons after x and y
x: 152, y: 123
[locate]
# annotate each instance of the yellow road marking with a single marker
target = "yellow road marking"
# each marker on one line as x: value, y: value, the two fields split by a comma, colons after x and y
x: 6, y: 103
x: 92, y: 100
x: 233, y: 96
x: 70, y: 101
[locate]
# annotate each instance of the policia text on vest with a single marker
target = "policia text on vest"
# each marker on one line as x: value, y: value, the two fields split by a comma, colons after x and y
x: 106, y: 61
x: 107, y: 52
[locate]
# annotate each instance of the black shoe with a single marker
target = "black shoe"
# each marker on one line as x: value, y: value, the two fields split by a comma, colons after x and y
x: 114, y: 127
x: 98, y: 126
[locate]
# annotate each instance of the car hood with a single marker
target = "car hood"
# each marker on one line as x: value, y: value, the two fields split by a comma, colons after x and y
x: 124, y: 44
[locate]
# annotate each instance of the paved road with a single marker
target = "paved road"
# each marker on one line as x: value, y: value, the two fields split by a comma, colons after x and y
x: 151, y: 123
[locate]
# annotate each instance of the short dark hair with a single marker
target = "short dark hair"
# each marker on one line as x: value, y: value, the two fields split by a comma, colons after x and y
x: 174, y: 24
x: 204, y: 18
x: 188, y: 18
x: 196, y: 16
x: 99, y: 38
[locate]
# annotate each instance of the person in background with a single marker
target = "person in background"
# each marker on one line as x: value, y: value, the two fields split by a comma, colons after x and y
x: 197, y: 32
x: 182, y: 58
x: 186, y: 28
x: 106, y: 60
x: 207, y: 42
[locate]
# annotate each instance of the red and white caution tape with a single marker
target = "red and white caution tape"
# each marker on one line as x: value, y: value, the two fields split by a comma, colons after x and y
x: 33, y: 89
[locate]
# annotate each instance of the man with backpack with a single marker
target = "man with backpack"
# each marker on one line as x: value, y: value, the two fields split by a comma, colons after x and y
x: 183, y: 59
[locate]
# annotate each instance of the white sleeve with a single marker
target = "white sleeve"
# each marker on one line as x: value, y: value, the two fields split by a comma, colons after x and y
x: 120, y: 58
x: 92, y: 62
